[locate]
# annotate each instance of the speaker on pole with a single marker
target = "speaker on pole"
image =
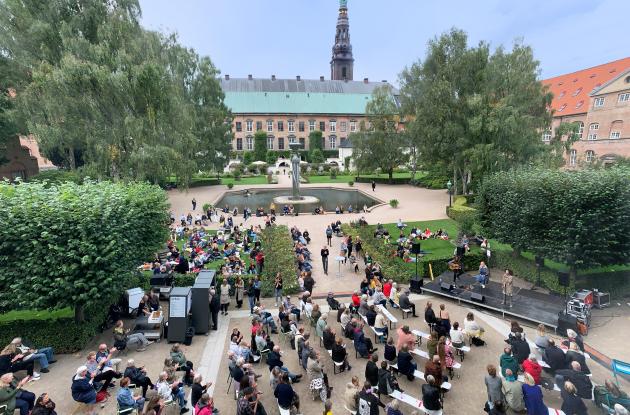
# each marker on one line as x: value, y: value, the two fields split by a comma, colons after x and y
x: 479, y: 298
x: 563, y: 279
x: 415, y: 248
x: 540, y: 260
x: 446, y: 286
x: 461, y: 251
x: 415, y: 284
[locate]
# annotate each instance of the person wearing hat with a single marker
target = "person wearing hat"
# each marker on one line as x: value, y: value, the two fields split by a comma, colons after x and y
x: 82, y: 389
x: 405, y: 303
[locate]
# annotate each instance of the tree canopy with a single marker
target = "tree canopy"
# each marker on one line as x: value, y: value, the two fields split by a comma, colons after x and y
x: 71, y: 244
x: 579, y: 218
x: 379, y: 144
x: 260, y: 146
x: 474, y: 111
x: 101, y: 92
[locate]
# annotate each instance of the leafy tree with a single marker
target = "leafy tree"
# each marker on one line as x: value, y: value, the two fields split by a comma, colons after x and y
x: 271, y: 157
x: 248, y: 157
x: 317, y: 156
x: 581, y: 218
x: 380, y: 145
x: 77, y: 244
x: 260, y: 146
x: 315, y: 140
x: 473, y: 111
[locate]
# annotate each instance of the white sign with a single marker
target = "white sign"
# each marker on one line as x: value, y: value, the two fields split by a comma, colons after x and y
x: 177, y: 307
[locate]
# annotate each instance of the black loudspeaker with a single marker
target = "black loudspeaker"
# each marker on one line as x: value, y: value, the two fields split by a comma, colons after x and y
x: 446, y: 286
x: 565, y: 322
x: 415, y: 248
x: 415, y: 285
x: 479, y: 298
x: 460, y: 251
x: 540, y: 261
x: 563, y: 279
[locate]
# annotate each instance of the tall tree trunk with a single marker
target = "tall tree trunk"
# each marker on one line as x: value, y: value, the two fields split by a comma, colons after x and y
x: 414, y: 163
x: 71, y: 161
x: 454, y: 187
x: 391, y: 175
x: 516, y: 252
x: 79, y: 313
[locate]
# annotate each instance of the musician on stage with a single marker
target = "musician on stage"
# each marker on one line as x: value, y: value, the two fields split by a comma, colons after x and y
x: 507, y: 283
x: 457, y: 267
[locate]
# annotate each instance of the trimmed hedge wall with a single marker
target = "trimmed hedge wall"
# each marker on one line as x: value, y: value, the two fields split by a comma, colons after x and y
x: 279, y: 257
x: 526, y: 269
x: 382, y: 180
x: 205, y: 181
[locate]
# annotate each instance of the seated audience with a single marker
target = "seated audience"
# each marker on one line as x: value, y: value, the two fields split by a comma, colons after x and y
x: 13, y: 396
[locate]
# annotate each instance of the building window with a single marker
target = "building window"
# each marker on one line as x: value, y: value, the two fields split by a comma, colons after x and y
x: 239, y: 126
x: 572, y: 157
x: 280, y: 126
x: 270, y: 142
x: 577, y: 92
x: 291, y: 126
x: 594, y: 126
x: 592, y: 136
x: 301, y: 126
x: 239, y: 144
x: 579, y: 104
x: 599, y: 102
x: 269, y: 126
x: 292, y: 139
x: 562, y: 107
x: 615, y: 134
x: 249, y: 125
x: 563, y: 93
x: 343, y: 126
x: 332, y: 142
x: 280, y: 143
x: 250, y: 143
x: 590, y: 156
x: 625, y: 97
x: 258, y: 125
x: 581, y: 130
x: 302, y: 142
x: 344, y: 72
x: 353, y: 126
x: 322, y: 126
x: 547, y: 135
x: 333, y: 126
x: 311, y: 126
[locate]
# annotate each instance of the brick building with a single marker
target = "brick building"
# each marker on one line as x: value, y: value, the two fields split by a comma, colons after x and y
x: 24, y: 159
x: 289, y: 109
x: 598, y: 99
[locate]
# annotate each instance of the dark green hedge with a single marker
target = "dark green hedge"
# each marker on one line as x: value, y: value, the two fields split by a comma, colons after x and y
x: 382, y: 180
x: 526, y: 269
x: 616, y: 283
x: 205, y: 181
x: 279, y: 257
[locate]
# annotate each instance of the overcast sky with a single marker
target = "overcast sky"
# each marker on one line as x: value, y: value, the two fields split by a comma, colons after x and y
x: 294, y: 37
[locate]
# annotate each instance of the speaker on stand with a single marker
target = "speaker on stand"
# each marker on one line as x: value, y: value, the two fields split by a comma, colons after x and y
x: 477, y: 297
x: 564, y: 280
x: 416, y: 283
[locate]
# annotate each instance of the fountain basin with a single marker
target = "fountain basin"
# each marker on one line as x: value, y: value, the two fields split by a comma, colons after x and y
x: 289, y: 200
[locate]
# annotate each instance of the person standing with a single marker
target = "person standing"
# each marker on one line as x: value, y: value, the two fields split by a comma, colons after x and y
x: 349, y: 245
x: 215, y: 305
x: 325, y: 253
x: 224, y: 296
x: 329, y: 233
x: 493, y: 386
x: 194, y: 203
x: 507, y: 283
x: 239, y: 288
x: 373, y: 185
x: 277, y: 284
x: 257, y: 287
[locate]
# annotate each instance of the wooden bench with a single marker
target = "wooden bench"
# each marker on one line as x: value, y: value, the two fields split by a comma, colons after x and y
x: 377, y: 333
x: 405, y: 311
x: 392, y: 320
x: 409, y: 400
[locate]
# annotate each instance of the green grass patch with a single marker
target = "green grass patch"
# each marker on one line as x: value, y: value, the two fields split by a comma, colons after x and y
x: 37, y: 314
x: 326, y: 179
x: 244, y: 180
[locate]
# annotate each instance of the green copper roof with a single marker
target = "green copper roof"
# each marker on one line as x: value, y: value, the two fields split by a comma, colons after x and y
x: 296, y: 102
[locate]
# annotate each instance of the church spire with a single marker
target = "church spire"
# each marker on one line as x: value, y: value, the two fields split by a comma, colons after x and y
x: 342, y: 63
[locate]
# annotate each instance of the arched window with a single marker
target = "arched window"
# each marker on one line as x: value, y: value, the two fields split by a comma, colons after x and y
x: 616, y: 129
x: 590, y: 156
x: 332, y: 142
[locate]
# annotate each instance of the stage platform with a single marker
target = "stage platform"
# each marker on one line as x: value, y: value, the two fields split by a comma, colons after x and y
x: 528, y: 305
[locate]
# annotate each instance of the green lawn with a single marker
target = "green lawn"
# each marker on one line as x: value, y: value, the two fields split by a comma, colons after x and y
x: 244, y: 180
x: 327, y: 179
x: 345, y: 178
x: 37, y: 314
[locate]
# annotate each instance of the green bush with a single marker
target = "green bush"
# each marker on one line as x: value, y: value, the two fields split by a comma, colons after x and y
x: 382, y: 180
x: 526, y: 269
x: 317, y: 156
x: 331, y: 154
x: 205, y: 181
x: 57, y: 177
x: 333, y: 173
x: 394, y: 203
x: 350, y: 183
x: 207, y: 206
x: 279, y: 257
x: 248, y: 158
x: 230, y: 185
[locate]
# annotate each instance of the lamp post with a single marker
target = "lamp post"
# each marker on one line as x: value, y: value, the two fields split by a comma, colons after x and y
x: 449, y: 185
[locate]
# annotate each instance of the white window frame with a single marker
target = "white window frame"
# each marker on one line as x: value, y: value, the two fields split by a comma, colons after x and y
x: 592, y: 136
x: 614, y: 135
x: 249, y: 143
x: 269, y: 126
x: 624, y: 97
x: 581, y: 130
x: 332, y: 142
x: 343, y: 126
x: 594, y: 126
x: 311, y: 126
x: 291, y: 126
x: 292, y: 139
x: 249, y: 126
x: 270, y: 140
x: 353, y: 126
x: 573, y: 157
x: 590, y: 156
x: 599, y: 102
x: 332, y: 126
x: 546, y: 137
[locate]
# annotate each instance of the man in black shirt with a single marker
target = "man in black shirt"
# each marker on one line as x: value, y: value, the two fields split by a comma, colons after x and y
x: 370, y: 316
x: 371, y: 370
x: 284, y: 393
x: 554, y: 357
x: 325, y: 253
x: 575, y: 375
x: 431, y: 395
x: 367, y: 400
x: 214, y: 309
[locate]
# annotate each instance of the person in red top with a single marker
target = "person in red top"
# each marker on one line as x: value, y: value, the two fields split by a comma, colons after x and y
x: 356, y: 301
x: 387, y: 288
x: 532, y: 367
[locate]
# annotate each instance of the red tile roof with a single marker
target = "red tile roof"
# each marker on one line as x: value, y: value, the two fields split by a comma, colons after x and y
x: 570, y: 91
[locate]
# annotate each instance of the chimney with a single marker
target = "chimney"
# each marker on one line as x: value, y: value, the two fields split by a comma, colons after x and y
x: 366, y: 80
x: 250, y: 77
x: 227, y: 77
x: 273, y: 77
x: 297, y: 78
x: 321, y: 78
x: 384, y: 81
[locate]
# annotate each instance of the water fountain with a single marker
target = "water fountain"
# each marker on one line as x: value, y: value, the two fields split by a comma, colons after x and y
x: 296, y: 198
